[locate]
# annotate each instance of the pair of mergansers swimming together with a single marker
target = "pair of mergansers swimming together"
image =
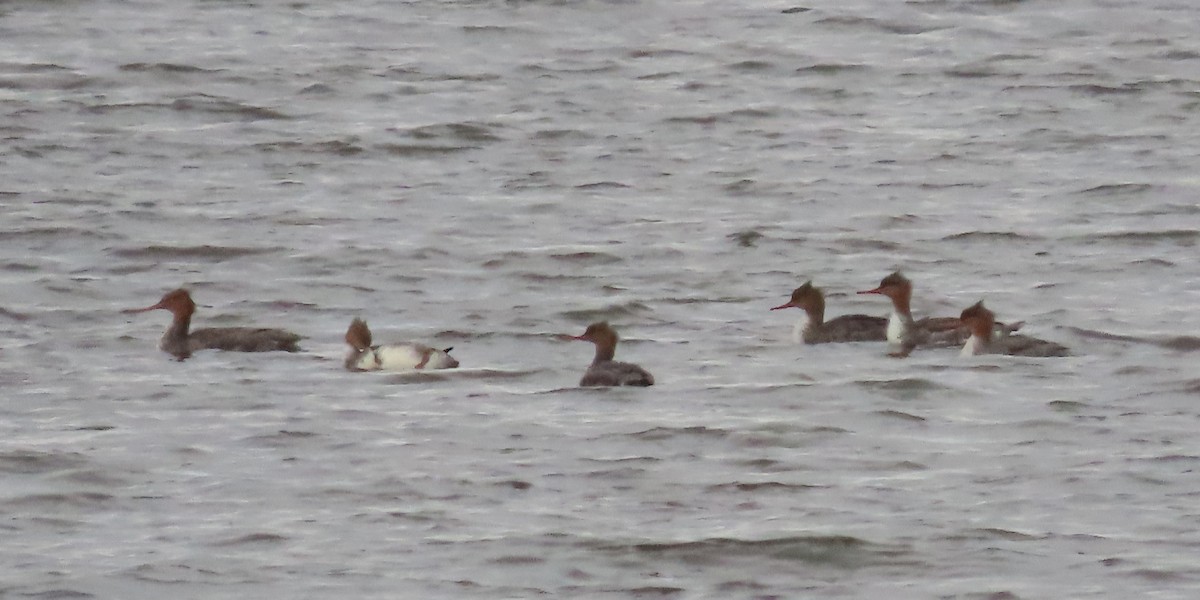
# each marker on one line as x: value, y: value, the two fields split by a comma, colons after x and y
x: 976, y: 328
x: 180, y: 341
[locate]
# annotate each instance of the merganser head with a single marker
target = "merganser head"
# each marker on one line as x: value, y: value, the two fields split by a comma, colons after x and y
x: 358, y: 335
x: 177, y: 301
x: 978, y: 319
x: 806, y: 297
x: 603, y: 337
x: 597, y: 333
x: 893, y: 286
x: 362, y: 357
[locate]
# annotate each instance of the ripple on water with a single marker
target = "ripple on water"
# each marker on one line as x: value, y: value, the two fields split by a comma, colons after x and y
x: 25, y: 462
x: 978, y: 71
x: 416, y: 74
x: 907, y: 388
x: 612, y: 311
x: 1152, y: 262
x: 343, y: 147
x: 68, y: 500
x: 56, y: 232
x: 730, y: 116
x: 460, y: 131
x: 203, y: 253
x: 13, y: 315
x: 880, y: 25
x: 990, y: 237
x: 657, y: 434
x: 1118, y: 189
x: 281, y: 438
x: 1094, y: 89
x: 1178, y: 343
x: 165, y: 68
x: 1066, y: 406
x: 1180, y: 237
x: 259, y: 538
x: 422, y: 150
x: 835, y: 551
x: 901, y: 416
x: 602, y: 185
x: 552, y: 278
x: 585, y: 258
x: 761, y: 486
x: 177, y: 574
x: 992, y: 533
x: 832, y: 68
x: 199, y: 104
x: 57, y: 594
x: 43, y: 76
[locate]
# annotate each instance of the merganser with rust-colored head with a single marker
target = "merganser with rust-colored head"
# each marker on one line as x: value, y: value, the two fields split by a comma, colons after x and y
x: 604, y: 371
x: 405, y: 356
x: 181, y: 343
x: 904, y: 333
x: 846, y: 328
x: 983, y: 340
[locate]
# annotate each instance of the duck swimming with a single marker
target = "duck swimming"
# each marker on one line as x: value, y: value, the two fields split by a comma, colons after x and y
x: 604, y: 371
x: 983, y: 340
x: 846, y: 328
x: 181, y: 342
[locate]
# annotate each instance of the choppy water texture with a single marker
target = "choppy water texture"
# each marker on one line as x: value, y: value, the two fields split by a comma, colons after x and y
x: 487, y: 175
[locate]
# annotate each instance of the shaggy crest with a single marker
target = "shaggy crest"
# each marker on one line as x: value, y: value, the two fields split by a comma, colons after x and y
x: 358, y: 335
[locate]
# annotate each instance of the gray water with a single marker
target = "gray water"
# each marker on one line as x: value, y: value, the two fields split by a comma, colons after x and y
x: 487, y: 175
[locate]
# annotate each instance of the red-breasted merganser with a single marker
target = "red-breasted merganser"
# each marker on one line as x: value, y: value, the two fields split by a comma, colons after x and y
x: 405, y: 356
x: 180, y: 342
x: 983, y: 340
x: 904, y: 333
x: 604, y: 371
x: 846, y: 328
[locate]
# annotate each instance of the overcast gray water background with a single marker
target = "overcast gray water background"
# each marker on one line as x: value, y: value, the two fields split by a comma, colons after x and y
x: 486, y: 175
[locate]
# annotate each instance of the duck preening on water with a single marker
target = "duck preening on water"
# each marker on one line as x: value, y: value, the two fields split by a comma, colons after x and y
x: 402, y: 356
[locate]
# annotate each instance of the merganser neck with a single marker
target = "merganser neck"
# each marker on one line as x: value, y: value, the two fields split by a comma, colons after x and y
x: 175, y: 340
x: 801, y: 330
x: 975, y: 346
x: 816, y: 313
x: 900, y: 325
x: 604, y: 352
x: 902, y: 302
x: 808, y: 326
